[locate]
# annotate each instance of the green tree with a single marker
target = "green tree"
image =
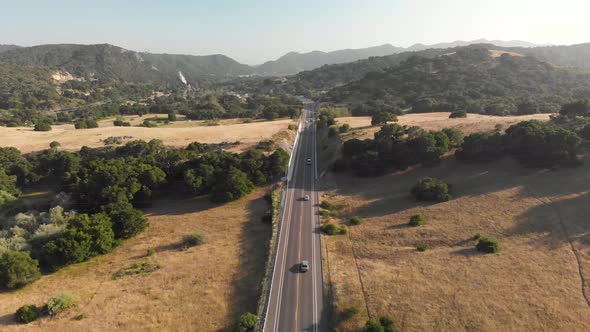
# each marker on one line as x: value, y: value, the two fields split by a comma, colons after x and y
x: 431, y: 189
x: 231, y: 186
x: 247, y: 322
x: 381, y: 118
x: 127, y: 221
x: 17, y: 269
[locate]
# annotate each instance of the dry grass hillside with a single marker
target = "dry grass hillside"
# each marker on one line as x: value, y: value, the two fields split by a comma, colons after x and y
x: 538, y: 281
x: 175, y: 135
x: 361, y: 126
x: 535, y: 282
x: 204, y: 288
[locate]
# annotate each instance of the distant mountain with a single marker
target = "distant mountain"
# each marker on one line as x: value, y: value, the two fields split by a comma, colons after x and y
x: 8, y: 47
x: 470, y: 77
x: 577, y: 56
x: 292, y: 63
x: 501, y: 43
x: 108, y: 62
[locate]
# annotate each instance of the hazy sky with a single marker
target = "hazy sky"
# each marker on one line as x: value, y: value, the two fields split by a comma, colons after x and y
x: 253, y: 31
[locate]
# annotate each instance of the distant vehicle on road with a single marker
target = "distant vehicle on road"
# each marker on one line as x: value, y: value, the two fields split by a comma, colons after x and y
x: 304, y: 266
x: 309, y: 161
x: 306, y: 198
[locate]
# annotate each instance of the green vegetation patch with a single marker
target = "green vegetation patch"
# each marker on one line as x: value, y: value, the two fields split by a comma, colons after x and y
x: 135, y: 269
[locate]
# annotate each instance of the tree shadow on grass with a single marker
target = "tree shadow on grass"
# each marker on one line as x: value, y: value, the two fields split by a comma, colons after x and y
x: 253, y: 248
x: 7, y: 319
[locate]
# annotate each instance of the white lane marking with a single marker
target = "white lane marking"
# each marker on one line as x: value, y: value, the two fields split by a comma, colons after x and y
x: 286, y: 244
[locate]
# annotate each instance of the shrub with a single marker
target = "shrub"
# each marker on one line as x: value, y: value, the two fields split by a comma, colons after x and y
x: 421, y: 247
x: 458, y: 114
x: 42, y: 126
x: 292, y: 127
x: 193, y: 239
x: 149, y: 124
x: 85, y: 124
x: 381, y: 118
x: 487, y: 245
x: 324, y: 213
x: 27, y: 314
x: 327, y: 205
x: 17, y: 269
x: 172, y: 117
x: 344, y: 128
x: 151, y: 252
x: 54, y: 144
x: 431, y: 189
x: 416, y: 220
x: 455, y: 136
x: 121, y: 123
x: 247, y: 322
x: 136, y: 268
x: 61, y: 303
x: 373, y: 326
x: 127, y: 221
x: 330, y: 229
x: 343, y: 230
x: 356, y: 220
x: 332, y: 131
x: 350, y: 312
x: 387, y: 324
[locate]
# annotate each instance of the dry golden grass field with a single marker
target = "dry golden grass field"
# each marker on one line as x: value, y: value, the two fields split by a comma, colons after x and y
x: 176, y: 134
x: 204, y: 288
x: 436, y: 121
x: 535, y: 283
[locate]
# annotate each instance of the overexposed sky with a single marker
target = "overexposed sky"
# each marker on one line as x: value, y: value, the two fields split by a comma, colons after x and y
x: 254, y: 31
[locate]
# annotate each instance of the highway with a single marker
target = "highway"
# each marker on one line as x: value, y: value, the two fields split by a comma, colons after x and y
x: 296, y: 300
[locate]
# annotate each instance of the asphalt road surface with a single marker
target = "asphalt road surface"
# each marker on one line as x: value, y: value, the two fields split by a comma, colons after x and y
x: 296, y: 300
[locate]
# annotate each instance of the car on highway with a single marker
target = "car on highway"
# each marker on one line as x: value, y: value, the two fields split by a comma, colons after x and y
x: 304, y: 266
x: 306, y: 198
x: 308, y: 161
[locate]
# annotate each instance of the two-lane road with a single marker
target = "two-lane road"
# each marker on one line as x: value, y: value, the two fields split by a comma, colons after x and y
x: 296, y: 299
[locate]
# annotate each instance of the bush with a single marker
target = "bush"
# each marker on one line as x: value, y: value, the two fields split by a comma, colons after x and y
x: 149, y: 124
x: 344, y: 128
x: 17, y: 269
x: 350, y: 312
x: 356, y: 220
x: 325, y: 213
x: 292, y: 127
x: 332, y: 131
x: 431, y: 189
x: 455, y: 136
x: 487, y: 245
x: 193, y: 239
x: 42, y: 126
x: 121, y: 123
x: 61, y: 303
x: 330, y: 229
x: 458, y: 114
x: 172, y: 117
x: 247, y: 322
x: 27, y: 314
x: 421, y: 247
x: 136, y: 268
x: 343, y: 230
x: 373, y: 326
x: 327, y: 205
x: 387, y: 324
x: 127, y: 221
x: 416, y: 220
x: 150, y: 252
x: 384, y: 324
x: 54, y: 144
x: 85, y: 124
